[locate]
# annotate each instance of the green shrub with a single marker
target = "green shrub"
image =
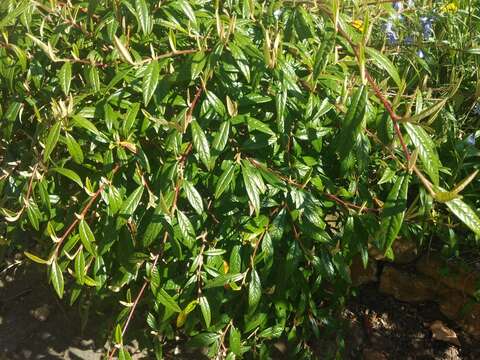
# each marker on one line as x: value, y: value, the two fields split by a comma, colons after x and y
x: 213, y: 168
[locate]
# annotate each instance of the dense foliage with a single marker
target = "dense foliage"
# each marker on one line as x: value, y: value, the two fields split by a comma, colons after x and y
x: 211, y: 168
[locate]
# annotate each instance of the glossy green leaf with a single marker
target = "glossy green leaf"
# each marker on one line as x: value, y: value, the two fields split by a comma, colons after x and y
x: 234, y: 341
x: 52, y: 139
x: 465, y: 213
x: 352, y: 122
x: 80, y: 267
x: 205, y: 308
x: 186, y: 229
x: 225, y: 180
x: 241, y: 60
x: 129, y: 206
x: 393, y: 212
x: 74, y: 149
x: 193, y: 196
x: 33, y: 214
x: 86, y: 236
x: 72, y: 175
x: 143, y: 16
x: 384, y: 62
x: 253, y: 191
x: 254, y: 291
x: 56, y: 277
x: 150, y: 81
x: 221, y: 138
x: 200, y: 143
x: 426, y: 150
x: 65, y: 77
x: 166, y: 300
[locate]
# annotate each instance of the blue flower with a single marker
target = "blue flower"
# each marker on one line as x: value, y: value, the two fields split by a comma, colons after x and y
x: 471, y: 139
x: 420, y: 54
x: 408, y: 40
x: 398, y: 6
x: 476, y: 109
x: 392, y: 37
x: 427, y: 27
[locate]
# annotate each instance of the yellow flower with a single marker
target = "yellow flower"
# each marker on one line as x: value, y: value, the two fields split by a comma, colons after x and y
x: 358, y: 24
x: 449, y: 8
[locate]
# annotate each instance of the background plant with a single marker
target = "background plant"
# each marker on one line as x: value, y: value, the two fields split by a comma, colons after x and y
x: 213, y: 168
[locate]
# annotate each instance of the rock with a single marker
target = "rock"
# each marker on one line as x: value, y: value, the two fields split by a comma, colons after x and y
x: 452, y: 275
x: 462, y: 309
x: 471, y: 322
x: 443, y: 333
x: 404, y: 250
x: 361, y: 275
x: 407, y: 287
x: 372, y: 354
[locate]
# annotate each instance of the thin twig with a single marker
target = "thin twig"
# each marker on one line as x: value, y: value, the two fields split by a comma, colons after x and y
x: 82, y: 214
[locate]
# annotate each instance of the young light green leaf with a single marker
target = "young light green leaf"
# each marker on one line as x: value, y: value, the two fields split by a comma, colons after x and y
x: 52, y: 139
x: 254, y: 291
x: 393, y: 212
x: 74, y: 148
x: 166, y: 300
x: 225, y: 179
x: 200, y: 143
x: 384, y: 62
x: 150, y: 81
x: 205, y: 307
x: 80, y: 267
x: 72, y: 175
x: 426, y: 150
x: 465, y: 214
x: 123, y: 354
x: 143, y: 16
x: 182, y: 316
x: 56, y: 276
x: 65, y: 77
x: 87, y: 237
x: 35, y: 258
x: 193, y: 196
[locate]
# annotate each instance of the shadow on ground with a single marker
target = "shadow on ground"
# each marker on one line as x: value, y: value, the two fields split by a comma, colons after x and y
x: 34, y: 324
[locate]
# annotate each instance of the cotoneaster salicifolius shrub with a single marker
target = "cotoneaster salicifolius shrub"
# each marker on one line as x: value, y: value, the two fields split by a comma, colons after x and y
x: 213, y: 167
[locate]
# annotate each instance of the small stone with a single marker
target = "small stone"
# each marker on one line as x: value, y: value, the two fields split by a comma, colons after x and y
x: 443, y: 333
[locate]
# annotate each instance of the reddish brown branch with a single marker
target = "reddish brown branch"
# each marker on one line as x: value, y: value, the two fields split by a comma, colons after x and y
x: 82, y: 214
x: 181, y: 161
x: 332, y: 197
